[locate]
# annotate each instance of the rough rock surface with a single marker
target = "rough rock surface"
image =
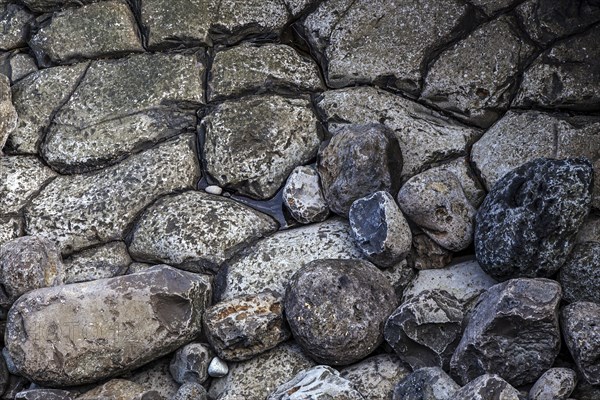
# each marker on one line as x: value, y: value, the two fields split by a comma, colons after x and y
x: 376, y: 376
x: 45, y: 394
x: 156, y: 376
x: 16, y: 66
x: 249, y: 68
x: 191, y: 391
x: 474, y: 190
x: 190, y: 363
x: 357, y: 161
x: 78, y: 33
x: 336, y: 309
x: 513, y: 332
x: 79, y: 333
x: 380, y: 229
x: 104, y: 261
x: 120, y: 389
x: 590, y: 230
x: 303, y: 197
x: 436, y: 202
x: 427, y: 254
x: 487, y: 387
x: 581, y: 331
x: 491, y: 7
x: 555, y: 384
x: 11, y: 227
x: 253, y: 144
x: 196, y: 230
x: 318, y: 383
x: 13, y: 26
x: 240, y: 328
x: 425, y: 136
x: 580, y: 274
x: 527, y: 225
x: 425, y: 330
x: 8, y: 115
x: 98, y: 207
x: 430, y: 383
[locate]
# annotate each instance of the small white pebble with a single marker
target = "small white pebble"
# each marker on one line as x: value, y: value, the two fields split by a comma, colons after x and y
x: 213, y: 189
x: 217, y: 368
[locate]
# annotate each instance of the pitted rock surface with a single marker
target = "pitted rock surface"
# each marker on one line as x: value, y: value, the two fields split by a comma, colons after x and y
x: 580, y: 328
x: 580, y: 274
x: 45, y: 394
x: 120, y: 389
x: 156, y: 376
x: 104, y: 261
x: 14, y: 20
x: 8, y: 115
x: 376, y: 376
x: 11, y: 227
x: 303, y: 197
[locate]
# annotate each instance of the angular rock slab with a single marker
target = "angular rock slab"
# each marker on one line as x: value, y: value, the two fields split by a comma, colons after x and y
x: 253, y: 144
x: 96, y: 208
x: 196, y: 230
x: 580, y: 274
x: 8, y: 114
x: 527, y: 224
x: 303, y: 197
x: 104, y: 261
x: 430, y: 383
x: 581, y: 330
x: 80, y: 333
x: 555, y: 384
x: 381, y: 41
x: 487, y: 387
x: 376, y: 376
x: 123, y: 106
x: 79, y: 33
x: 513, y: 332
x: 478, y: 89
x: 425, y: 136
x: 336, y: 309
x: 318, y: 383
x: 13, y: 26
x: 16, y: 66
x: 249, y: 68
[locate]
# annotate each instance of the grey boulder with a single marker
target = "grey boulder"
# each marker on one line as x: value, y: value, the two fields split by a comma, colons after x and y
x: 45, y: 394
x: 580, y: 274
x: 120, y: 389
x: 430, y: 383
x: 487, y: 387
x: 8, y: 114
x: 190, y: 391
x: 581, y: 331
x: 11, y: 227
x: 14, y: 20
x: 190, y: 363
x: 104, y: 261
x: 555, y: 384
x: 376, y: 376
x: 303, y: 197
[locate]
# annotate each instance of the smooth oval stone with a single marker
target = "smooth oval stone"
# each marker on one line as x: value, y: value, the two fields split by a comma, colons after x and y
x: 84, y: 332
x: 555, y: 384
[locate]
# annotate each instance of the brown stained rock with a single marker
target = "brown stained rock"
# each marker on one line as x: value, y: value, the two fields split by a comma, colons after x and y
x: 427, y: 254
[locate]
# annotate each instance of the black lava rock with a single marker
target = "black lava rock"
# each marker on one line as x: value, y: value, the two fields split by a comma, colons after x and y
x: 527, y: 224
x: 580, y: 324
x: 580, y: 275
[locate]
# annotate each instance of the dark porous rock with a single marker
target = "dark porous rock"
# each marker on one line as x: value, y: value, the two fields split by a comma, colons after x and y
x: 82, y: 32
x: 425, y: 253
x: 14, y: 21
x: 430, y: 383
x: 240, y: 328
x: 156, y: 376
x: 45, y: 394
x: 357, y: 161
x: 16, y: 384
x: 303, y: 197
x: 8, y: 114
x: 81, y: 333
x: 491, y: 7
x: 380, y: 229
x: 5, y: 375
x: 28, y: 263
x: 527, y: 224
x: 283, y: 135
x: 258, y: 377
x: 425, y: 330
x: 376, y: 376
x: 580, y: 275
x: 120, y: 389
x: 555, y: 384
x: 581, y: 331
x: 436, y: 202
x: 16, y: 66
x: 487, y: 387
x: 104, y: 261
x: 190, y: 363
x: 190, y: 391
x: 318, y: 383
x: 512, y: 332
x: 337, y: 308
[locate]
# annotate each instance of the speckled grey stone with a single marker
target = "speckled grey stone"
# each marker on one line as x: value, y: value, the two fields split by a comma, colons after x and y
x: 196, y: 230
x: 123, y: 106
x: 190, y: 363
x: 249, y: 68
x: 83, y: 32
x: 430, y: 383
x: 555, y: 384
x: 190, y: 391
x: 318, y: 383
x: 104, y: 261
x: 427, y: 254
x: 13, y: 26
x: 303, y: 197
x: 254, y: 143
x: 425, y: 136
x: 491, y: 7
x: 580, y: 274
x: 477, y: 89
x: 513, y: 332
x: 473, y: 188
x: 80, y: 333
x: 590, y: 230
x: 381, y: 41
x: 581, y: 332
x: 17, y: 65
x: 45, y: 394
x: 240, y: 328
x: 20, y: 178
x: 95, y: 208
x: 44, y: 6
x: 487, y: 387
x: 156, y: 376
x: 376, y: 376
x: 261, y: 375
x: 120, y: 389
x: 11, y: 227
x: 399, y: 276
x: 8, y: 114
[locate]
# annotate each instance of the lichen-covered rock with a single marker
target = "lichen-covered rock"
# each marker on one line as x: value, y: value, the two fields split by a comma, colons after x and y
x: 487, y: 387
x: 122, y: 106
x: 581, y: 331
x: 303, y: 197
x: 95, y: 208
x: 513, y: 332
x: 120, y: 389
x: 196, y: 230
x: 435, y: 201
x: 425, y: 136
x: 430, y: 383
x: 191, y: 391
x: 13, y: 26
x: 8, y: 114
x: 318, y: 383
x: 11, y: 227
x: 425, y: 330
x: 555, y: 384
x: 45, y: 394
x: 271, y: 262
x: 565, y: 76
x: 156, y: 376
x: 261, y: 375
x: 337, y: 308
x: 254, y: 143
x: 427, y: 254
x: 190, y: 363
x: 104, y: 28
x: 357, y: 161
x: 20, y: 178
x: 380, y: 229
x: 580, y: 274
x: 478, y: 89
x: 381, y: 41
x: 375, y: 377
x: 249, y: 68
x: 80, y: 333
x: 28, y: 263
x: 527, y: 224
x: 104, y: 261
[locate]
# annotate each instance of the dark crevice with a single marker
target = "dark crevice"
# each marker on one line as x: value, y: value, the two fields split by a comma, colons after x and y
x: 135, y: 6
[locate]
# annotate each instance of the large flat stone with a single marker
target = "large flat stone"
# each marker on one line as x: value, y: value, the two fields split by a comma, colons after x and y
x: 83, y: 210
